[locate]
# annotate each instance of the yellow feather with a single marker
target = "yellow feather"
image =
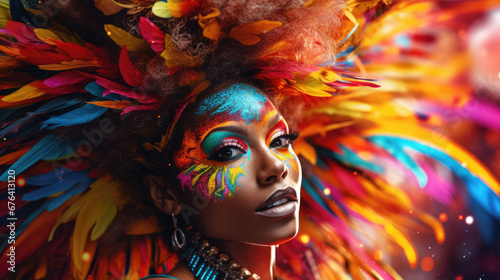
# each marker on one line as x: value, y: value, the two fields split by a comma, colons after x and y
x: 123, y: 38
x: 99, y: 199
x: 4, y: 15
x: 24, y: 93
x: 160, y: 9
x: 174, y: 57
x: 115, y: 104
x: 311, y: 86
x: 108, y: 213
x: 47, y: 36
x: 349, y: 15
x: 126, y: 4
x: 175, y: 7
x: 355, y: 106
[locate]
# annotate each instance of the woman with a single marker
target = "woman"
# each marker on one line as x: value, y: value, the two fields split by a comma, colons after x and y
x: 120, y: 114
x: 239, y: 160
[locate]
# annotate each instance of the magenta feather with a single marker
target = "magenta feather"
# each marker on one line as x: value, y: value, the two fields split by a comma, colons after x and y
x: 152, y: 34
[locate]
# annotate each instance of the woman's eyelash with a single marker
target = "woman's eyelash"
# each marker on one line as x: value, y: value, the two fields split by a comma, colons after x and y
x: 291, y: 137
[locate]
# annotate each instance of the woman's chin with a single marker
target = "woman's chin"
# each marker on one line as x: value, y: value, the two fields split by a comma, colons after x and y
x: 279, y: 234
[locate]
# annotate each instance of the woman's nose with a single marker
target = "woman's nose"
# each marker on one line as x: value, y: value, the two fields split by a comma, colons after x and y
x: 272, y: 169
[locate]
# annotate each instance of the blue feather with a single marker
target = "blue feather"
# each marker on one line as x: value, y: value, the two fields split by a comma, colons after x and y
x: 48, y: 148
x: 63, y: 184
x: 391, y: 146
x: 98, y: 91
x: 349, y: 50
x: 73, y: 191
x: 50, y: 177
x: 83, y: 114
x: 484, y: 200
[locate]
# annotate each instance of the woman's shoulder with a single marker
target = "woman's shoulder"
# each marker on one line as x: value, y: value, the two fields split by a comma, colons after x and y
x: 180, y: 272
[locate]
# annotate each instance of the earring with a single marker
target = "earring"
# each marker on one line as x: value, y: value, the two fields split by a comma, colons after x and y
x: 178, y: 233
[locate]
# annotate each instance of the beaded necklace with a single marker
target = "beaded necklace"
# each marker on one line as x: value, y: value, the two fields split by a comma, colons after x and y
x: 207, y: 263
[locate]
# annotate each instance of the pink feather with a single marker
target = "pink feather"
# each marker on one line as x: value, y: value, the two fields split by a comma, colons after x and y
x: 65, y: 78
x: 152, y: 34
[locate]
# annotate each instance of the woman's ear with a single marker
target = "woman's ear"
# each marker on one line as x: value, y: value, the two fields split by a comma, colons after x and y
x: 163, y: 195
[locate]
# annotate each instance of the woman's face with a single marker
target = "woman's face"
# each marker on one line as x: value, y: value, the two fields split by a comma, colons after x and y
x: 236, y: 155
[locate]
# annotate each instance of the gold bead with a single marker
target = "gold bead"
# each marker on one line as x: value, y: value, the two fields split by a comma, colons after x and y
x: 255, y: 277
x: 245, y: 274
x: 205, y: 243
x: 224, y: 257
x: 234, y: 265
x: 213, y: 250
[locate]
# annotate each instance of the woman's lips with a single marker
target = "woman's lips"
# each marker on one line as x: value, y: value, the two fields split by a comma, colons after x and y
x: 281, y: 203
x: 280, y: 211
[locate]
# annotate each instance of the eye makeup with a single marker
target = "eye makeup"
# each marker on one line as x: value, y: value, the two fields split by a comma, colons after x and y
x: 223, y: 140
x: 279, y: 129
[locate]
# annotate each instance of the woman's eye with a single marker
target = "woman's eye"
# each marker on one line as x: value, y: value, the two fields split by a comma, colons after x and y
x: 226, y: 154
x: 280, y: 142
x: 284, y: 140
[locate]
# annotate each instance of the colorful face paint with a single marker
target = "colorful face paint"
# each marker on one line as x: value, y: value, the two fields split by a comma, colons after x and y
x: 215, y: 152
x: 283, y: 151
x: 238, y: 99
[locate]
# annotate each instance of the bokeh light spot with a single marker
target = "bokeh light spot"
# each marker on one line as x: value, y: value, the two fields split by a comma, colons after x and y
x: 378, y: 255
x: 304, y: 238
x: 86, y: 256
x: 443, y: 217
x: 469, y: 220
x: 427, y: 264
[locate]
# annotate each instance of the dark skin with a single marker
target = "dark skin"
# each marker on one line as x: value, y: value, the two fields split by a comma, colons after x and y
x: 262, y: 159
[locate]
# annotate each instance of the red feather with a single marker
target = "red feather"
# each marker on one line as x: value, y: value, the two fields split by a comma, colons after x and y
x: 130, y: 74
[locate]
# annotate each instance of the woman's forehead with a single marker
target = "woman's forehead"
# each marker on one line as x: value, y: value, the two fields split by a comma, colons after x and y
x: 238, y: 102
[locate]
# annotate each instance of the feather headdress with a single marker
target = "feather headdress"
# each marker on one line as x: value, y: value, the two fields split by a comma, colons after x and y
x: 89, y: 91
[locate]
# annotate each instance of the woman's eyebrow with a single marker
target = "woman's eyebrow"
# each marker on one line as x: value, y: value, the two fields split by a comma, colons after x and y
x: 273, y: 121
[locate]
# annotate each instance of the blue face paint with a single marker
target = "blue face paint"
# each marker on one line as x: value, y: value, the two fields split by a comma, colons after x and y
x: 240, y: 99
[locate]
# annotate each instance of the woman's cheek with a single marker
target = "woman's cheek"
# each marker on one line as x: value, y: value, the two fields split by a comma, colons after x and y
x: 215, y: 182
x: 288, y: 158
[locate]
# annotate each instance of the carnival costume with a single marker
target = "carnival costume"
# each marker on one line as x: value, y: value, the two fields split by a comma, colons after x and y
x: 78, y: 90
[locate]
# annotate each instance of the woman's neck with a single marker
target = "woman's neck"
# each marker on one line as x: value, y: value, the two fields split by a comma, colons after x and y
x: 257, y: 259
